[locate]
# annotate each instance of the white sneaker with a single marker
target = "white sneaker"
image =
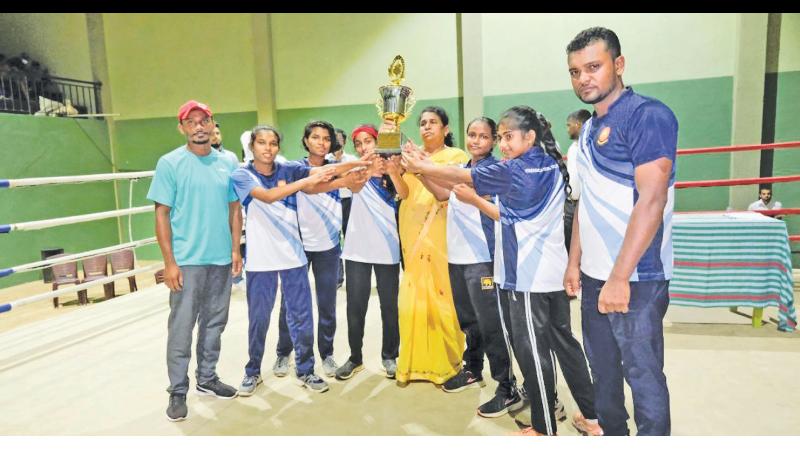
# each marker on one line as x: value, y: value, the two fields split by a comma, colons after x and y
x: 249, y: 385
x: 313, y: 382
x: 329, y: 366
x: 281, y: 367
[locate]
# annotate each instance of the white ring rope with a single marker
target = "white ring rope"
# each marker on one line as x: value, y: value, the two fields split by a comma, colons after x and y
x: 49, y: 223
x: 37, y: 265
x: 40, y: 181
x: 80, y: 287
x: 130, y: 205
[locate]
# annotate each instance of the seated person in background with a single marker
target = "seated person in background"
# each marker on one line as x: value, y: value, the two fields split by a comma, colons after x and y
x: 765, y: 202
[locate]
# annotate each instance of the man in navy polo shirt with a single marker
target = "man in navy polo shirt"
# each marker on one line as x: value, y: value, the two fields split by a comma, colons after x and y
x: 621, y: 250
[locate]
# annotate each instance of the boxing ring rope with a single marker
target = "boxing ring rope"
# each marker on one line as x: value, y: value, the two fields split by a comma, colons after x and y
x: 79, y: 287
x: 38, y: 265
x: 739, y: 148
x: 49, y: 223
x: 41, y: 181
x: 735, y: 182
x: 786, y: 321
x: 744, y: 181
x: 135, y: 176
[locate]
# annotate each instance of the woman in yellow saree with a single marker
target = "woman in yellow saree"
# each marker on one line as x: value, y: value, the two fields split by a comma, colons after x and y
x: 431, y: 341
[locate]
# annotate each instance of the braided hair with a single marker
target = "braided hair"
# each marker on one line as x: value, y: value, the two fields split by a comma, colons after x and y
x: 525, y: 118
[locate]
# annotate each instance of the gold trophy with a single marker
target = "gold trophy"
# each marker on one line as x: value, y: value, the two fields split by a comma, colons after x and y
x: 394, y: 104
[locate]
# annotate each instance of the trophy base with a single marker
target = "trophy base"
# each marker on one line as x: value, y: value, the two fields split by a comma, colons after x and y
x: 388, y: 143
x: 388, y: 151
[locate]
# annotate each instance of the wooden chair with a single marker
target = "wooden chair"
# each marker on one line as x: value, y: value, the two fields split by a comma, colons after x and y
x: 123, y: 261
x: 95, y: 268
x: 66, y: 273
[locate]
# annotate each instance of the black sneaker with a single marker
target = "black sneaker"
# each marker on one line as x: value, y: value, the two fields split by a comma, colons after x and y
x: 348, y: 369
x: 501, y: 404
x: 217, y: 389
x: 177, y: 411
x: 463, y: 380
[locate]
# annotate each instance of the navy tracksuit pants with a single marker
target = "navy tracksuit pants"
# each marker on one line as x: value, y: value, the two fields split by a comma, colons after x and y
x: 296, y: 298
x: 325, y: 266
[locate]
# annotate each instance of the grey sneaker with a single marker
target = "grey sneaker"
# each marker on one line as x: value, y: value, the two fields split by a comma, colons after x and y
x: 176, y: 410
x: 348, y: 369
x: 313, y: 382
x: 390, y: 366
x: 217, y: 389
x: 249, y: 384
x: 329, y: 366
x: 281, y: 367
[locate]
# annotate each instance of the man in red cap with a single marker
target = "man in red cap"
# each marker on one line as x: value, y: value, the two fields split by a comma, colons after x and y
x: 198, y: 227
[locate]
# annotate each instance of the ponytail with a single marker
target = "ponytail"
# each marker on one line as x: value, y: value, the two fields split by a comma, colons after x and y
x: 550, y: 146
x: 449, y: 141
x: 525, y: 119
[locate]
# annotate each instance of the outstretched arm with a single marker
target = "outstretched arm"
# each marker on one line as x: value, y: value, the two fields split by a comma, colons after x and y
x: 350, y: 180
x: 467, y: 194
x: 414, y: 162
x: 279, y: 192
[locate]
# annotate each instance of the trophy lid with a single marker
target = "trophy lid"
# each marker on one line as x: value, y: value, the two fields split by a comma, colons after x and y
x: 397, y: 70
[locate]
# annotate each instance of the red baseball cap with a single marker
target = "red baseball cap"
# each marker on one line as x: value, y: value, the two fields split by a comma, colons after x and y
x: 190, y: 106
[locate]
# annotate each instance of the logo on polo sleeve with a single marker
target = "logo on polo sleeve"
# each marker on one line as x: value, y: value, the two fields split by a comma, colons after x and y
x: 602, y: 139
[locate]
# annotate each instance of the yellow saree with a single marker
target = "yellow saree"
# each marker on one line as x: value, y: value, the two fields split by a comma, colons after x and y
x: 431, y: 341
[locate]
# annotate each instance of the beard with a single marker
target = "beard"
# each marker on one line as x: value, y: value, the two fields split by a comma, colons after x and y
x: 601, y: 95
x: 200, y: 142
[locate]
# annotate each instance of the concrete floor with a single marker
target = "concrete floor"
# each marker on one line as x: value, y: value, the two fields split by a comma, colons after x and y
x: 100, y: 370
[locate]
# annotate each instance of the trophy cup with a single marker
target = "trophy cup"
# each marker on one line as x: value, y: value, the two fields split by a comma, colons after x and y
x: 394, y: 104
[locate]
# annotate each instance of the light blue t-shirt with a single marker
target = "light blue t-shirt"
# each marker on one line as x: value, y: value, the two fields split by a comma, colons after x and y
x: 198, y: 191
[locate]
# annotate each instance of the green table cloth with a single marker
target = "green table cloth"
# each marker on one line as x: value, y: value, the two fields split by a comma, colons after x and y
x: 733, y: 259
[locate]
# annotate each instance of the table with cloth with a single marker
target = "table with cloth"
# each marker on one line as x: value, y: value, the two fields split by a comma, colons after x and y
x: 731, y: 260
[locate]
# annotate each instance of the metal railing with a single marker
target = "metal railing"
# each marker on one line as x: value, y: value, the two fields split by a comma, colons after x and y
x: 52, y: 96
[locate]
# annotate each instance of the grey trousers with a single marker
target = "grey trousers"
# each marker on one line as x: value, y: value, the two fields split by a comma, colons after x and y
x: 204, y: 300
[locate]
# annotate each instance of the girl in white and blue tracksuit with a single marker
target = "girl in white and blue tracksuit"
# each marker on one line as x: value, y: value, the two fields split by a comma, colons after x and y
x: 530, y: 257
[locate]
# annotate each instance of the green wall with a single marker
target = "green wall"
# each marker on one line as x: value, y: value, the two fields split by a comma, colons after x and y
x: 324, y: 60
x: 156, y: 62
x: 46, y: 146
x: 703, y: 108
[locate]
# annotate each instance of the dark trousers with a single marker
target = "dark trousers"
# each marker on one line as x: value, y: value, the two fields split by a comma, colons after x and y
x: 540, y: 324
x: 325, y: 266
x: 359, y: 283
x: 479, y: 316
x: 204, y: 300
x: 346, y: 203
x: 296, y: 295
x: 569, y: 214
x: 628, y: 346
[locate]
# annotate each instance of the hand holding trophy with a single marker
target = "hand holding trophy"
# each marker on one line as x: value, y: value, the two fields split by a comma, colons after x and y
x: 394, y: 106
